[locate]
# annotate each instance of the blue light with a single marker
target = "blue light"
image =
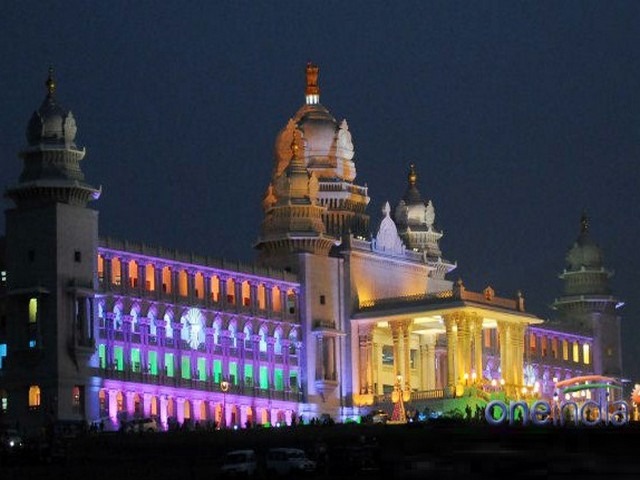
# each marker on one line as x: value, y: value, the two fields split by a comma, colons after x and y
x: 32, y: 343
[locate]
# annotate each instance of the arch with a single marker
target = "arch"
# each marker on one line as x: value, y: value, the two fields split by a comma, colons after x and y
x: 100, y: 268
x: 116, y: 271
x: 291, y: 301
x: 262, y: 297
x: 245, y: 289
x: 167, y: 286
x: 152, y: 314
x: 233, y: 329
x: 133, y: 274
x: 263, y: 338
x: 171, y: 407
x: 217, y: 328
x: 117, y: 317
x: 154, y: 406
x: 248, y: 331
x: 150, y: 277
x: 276, y: 303
x: 183, y: 283
x: 198, y: 284
x: 119, y: 402
x: 231, y: 291
x: 277, y: 335
x: 187, y: 409
x: 103, y: 404
x: 135, y: 314
x: 138, y: 410
x: 168, y: 320
x: 215, y: 288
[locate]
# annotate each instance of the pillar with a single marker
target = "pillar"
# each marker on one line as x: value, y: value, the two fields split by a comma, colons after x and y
x: 451, y: 334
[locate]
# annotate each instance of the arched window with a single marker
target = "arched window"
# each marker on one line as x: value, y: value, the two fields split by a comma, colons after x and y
x: 117, y: 318
x: 231, y: 291
x: 576, y: 352
x: 246, y: 294
x: 100, y: 268
x: 152, y: 323
x: 247, y: 337
x: 150, y: 277
x: 263, y: 340
x: 275, y: 299
x: 133, y: 274
x: 215, y: 289
x: 262, y: 297
x: 199, y: 285
x: 277, y: 346
x: 168, y: 327
x: 182, y: 283
x: 116, y: 271
x: 34, y: 396
x: 166, y: 280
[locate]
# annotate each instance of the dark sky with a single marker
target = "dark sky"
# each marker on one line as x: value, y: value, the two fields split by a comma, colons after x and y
x: 518, y: 115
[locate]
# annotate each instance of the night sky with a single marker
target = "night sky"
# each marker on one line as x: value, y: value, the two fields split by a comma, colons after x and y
x: 518, y: 115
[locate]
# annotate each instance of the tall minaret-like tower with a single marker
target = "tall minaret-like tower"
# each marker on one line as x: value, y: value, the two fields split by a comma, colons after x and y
x: 588, y: 305
x: 51, y: 248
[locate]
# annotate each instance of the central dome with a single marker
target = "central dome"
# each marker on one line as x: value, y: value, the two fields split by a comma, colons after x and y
x: 325, y: 142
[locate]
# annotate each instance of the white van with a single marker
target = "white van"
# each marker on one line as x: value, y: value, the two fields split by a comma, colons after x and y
x: 284, y: 461
x: 239, y: 463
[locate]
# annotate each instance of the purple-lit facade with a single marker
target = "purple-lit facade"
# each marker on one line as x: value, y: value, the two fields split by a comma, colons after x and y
x: 170, y: 330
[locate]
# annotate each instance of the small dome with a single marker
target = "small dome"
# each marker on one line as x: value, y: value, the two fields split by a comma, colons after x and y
x: 51, y: 123
x: 584, y: 252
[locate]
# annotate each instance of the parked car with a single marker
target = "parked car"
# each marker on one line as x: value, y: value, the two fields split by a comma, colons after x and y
x: 239, y: 463
x: 287, y: 461
x: 379, y: 416
x: 147, y: 424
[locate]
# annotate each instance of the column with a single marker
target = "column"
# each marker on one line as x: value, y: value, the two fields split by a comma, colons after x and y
x: 256, y: 360
x: 451, y: 333
x: 286, y: 372
x: 208, y: 301
x: 163, y: 410
x: 241, y: 353
x: 330, y: 369
x: 142, y: 277
x: 396, y: 350
x: 124, y: 274
x: 130, y: 405
x: 237, y: 287
x: 108, y: 272
x: 180, y: 410
x: 406, y: 345
x: 146, y: 404
x: 477, y: 347
x: 191, y: 285
x: 268, y: 292
x: 157, y: 272
x: 113, y: 404
x: 320, y: 373
x: 430, y: 364
x: 502, y: 343
x: 464, y: 348
x: 223, y: 292
x: 284, y: 306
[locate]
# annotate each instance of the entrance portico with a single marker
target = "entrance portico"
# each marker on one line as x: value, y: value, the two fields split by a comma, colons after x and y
x: 436, y: 344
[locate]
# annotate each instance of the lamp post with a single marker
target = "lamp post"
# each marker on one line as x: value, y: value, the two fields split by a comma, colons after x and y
x: 224, y: 386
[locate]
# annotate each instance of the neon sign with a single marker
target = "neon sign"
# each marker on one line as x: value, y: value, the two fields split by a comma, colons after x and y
x: 541, y: 412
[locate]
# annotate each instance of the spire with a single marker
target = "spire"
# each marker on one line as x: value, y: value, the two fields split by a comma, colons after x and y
x: 312, y: 93
x: 584, y: 222
x: 413, y: 176
x: 50, y: 83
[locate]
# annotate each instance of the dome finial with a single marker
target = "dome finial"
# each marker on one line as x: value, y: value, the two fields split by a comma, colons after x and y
x: 50, y: 83
x: 584, y: 222
x: 312, y: 91
x: 413, y: 176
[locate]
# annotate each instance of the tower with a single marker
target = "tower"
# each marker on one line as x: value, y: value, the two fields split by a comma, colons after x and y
x: 310, y: 204
x: 51, y: 245
x: 415, y: 219
x: 588, y: 305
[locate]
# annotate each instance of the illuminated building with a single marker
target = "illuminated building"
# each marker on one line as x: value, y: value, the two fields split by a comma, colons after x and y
x: 327, y: 321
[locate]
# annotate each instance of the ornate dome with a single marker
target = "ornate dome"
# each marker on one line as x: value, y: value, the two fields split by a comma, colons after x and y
x: 326, y: 140
x: 584, y: 252
x: 51, y: 124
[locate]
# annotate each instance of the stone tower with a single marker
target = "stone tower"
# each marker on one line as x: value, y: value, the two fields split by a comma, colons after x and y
x: 588, y: 305
x: 311, y: 203
x: 51, y: 245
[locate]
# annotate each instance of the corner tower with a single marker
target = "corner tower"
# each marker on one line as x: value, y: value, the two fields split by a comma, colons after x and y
x: 51, y: 245
x: 588, y: 305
